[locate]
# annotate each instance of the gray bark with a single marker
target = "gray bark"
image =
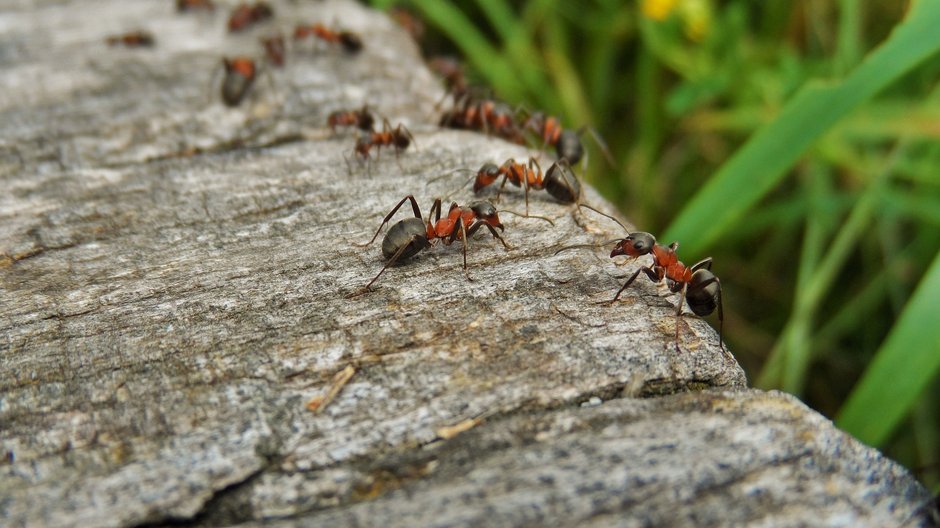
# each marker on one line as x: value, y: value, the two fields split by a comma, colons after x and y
x: 176, y: 323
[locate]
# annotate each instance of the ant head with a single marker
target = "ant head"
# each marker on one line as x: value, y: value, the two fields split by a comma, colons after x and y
x: 561, y: 183
x: 486, y: 212
x: 635, y: 245
x: 485, y: 176
x: 569, y: 146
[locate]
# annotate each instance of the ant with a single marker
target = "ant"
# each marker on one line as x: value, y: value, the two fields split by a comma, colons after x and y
x: 696, y: 285
x: 132, y: 39
x: 274, y: 49
x: 240, y: 74
x: 567, y: 142
x: 408, y: 237
x: 399, y: 137
x: 559, y: 181
x: 245, y: 16
x: 193, y: 5
x: 347, y: 39
x: 486, y: 115
x: 361, y: 119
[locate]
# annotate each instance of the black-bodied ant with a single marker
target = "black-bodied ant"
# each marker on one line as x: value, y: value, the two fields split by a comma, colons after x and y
x: 696, y: 285
x: 361, y: 119
x: 408, y: 237
x: 347, y: 39
x: 559, y: 181
x: 398, y: 137
x: 132, y: 39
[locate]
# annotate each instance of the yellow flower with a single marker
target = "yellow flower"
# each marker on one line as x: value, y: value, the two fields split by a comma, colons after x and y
x: 658, y: 9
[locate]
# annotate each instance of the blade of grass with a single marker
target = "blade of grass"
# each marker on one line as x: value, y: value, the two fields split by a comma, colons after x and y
x: 566, y: 79
x: 519, y: 43
x: 901, y: 369
x: 762, y: 162
x: 785, y: 368
x: 478, y: 50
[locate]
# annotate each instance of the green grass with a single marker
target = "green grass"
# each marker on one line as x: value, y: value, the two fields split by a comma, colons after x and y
x: 795, y: 142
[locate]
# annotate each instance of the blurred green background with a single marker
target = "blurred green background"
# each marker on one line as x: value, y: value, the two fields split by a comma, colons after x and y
x: 796, y: 142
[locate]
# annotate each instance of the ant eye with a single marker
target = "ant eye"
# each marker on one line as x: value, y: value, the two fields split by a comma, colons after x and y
x: 638, y: 245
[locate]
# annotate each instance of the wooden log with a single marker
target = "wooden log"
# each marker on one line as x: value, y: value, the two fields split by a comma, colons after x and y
x: 179, y: 344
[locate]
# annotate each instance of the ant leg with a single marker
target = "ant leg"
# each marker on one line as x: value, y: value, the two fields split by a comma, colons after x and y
x: 705, y: 263
x: 435, y: 211
x: 414, y: 206
x: 390, y: 262
x: 679, y: 313
x: 626, y: 285
x: 721, y: 312
x: 500, y: 190
x: 463, y: 235
x: 480, y: 223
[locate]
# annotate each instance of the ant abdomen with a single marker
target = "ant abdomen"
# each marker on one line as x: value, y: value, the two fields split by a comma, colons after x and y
x: 703, y: 299
x: 562, y: 184
x: 410, y: 232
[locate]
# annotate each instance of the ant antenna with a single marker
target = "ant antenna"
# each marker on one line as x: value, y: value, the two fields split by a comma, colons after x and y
x: 526, y: 215
x: 605, y: 150
x: 578, y: 246
x: 580, y: 205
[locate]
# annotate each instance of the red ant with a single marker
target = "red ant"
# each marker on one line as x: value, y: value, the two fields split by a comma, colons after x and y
x: 133, y: 39
x: 274, y: 49
x: 559, y: 181
x: 193, y: 5
x: 487, y: 116
x: 567, y: 142
x: 408, y: 237
x: 399, y: 137
x: 361, y: 119
x: 240, y: 74
x: 244, y: 15
x: 347, y: 39
x: 696, y: 285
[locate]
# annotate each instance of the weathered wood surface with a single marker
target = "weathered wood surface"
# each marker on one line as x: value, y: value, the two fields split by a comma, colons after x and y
x: 174, y: 292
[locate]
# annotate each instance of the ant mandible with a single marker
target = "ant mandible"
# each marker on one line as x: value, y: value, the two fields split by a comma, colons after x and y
x: 399, y: 137
x: 696, y: 285
x: 408, y: 237
x: 559, y: 181
x: 245, y: 16
x: 361, y: 119
x: 347, y: 39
